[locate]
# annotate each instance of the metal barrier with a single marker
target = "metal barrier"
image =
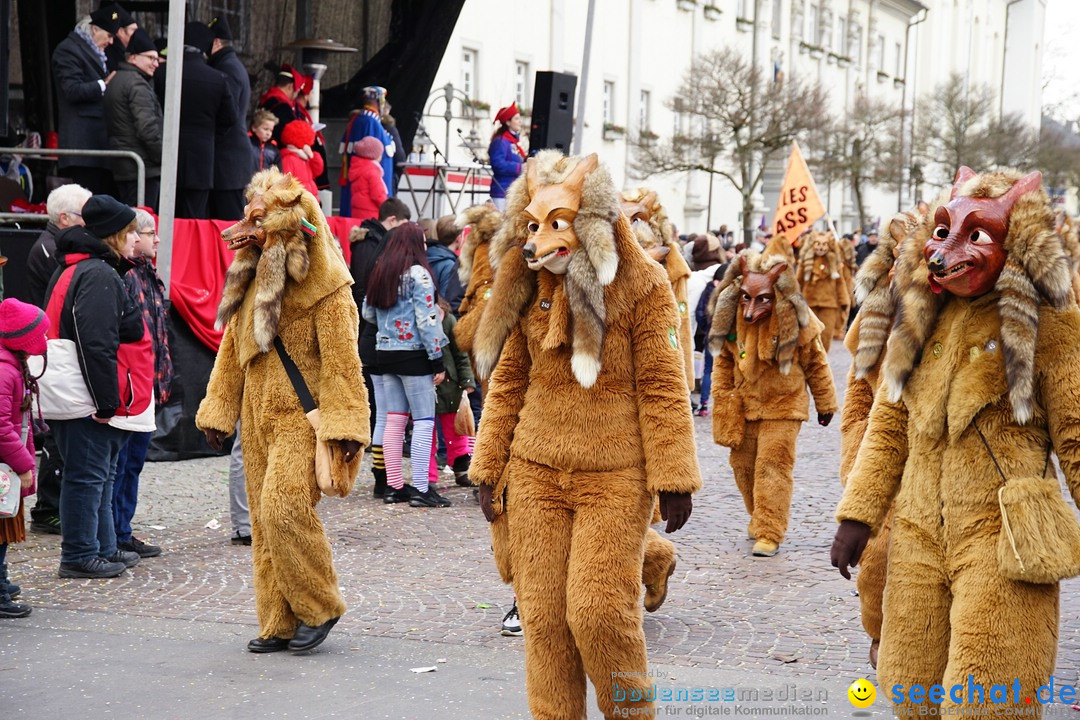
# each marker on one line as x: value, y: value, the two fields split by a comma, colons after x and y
x: 140, y: 170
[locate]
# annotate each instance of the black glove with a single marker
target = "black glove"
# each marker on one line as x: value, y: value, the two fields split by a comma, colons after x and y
x: 214, y: 438
x: 824, y: 419
x: 848, y: 545
x: 483, y: 495
x: 350, y: 449
x: 676, y: 509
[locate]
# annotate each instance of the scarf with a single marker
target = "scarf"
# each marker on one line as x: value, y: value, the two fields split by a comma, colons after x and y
x: 84, y: 33
x: 146, y: 289
x: 511, y: 138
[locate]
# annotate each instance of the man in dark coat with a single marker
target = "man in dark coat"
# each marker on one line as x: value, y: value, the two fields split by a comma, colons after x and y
x: 114, y: 54
x: 135, y: 121
x: 206, y: 108
x: 78, y: 65
x: 234, y: 159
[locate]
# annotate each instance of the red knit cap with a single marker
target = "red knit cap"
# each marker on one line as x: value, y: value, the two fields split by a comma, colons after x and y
x: 370, y: 148
x: 298, y: 134
x: 23, y: 327
x: 506, y: 114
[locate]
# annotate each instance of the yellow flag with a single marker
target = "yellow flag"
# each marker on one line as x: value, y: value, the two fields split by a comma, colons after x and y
x: 800, y: 205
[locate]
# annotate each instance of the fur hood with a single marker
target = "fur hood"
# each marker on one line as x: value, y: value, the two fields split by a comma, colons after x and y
x: 807, y: 259
x: 291, y: 269
x: 658, y: 219
x: 791, y: 314
x: 485, y: 221
x: 1038, y: 269
x: 592, y: 268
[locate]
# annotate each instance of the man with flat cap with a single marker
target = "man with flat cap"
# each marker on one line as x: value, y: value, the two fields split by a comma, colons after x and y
x: 207, y: 107
x: 134, y: 120
x: 234, y: 157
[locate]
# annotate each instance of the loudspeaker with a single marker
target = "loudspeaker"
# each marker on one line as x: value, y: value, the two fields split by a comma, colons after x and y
x: 552, y: 112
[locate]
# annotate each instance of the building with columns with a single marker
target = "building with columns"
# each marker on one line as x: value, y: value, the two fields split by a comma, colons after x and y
x: 892, y: 49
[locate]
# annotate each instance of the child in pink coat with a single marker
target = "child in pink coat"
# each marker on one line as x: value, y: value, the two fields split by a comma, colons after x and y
x: 298, y: 158
x: 366, y: 179
x: 22, y: 333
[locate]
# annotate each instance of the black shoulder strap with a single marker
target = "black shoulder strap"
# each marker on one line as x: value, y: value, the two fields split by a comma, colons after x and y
x: 297, y: 380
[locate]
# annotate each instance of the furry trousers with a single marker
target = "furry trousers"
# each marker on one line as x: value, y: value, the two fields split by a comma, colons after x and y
x: 763, y: 464
x: 870, y: 581
x: 294, y: 570
x: 834, y: 322
x: 580, y: 599
x: 948, y: 615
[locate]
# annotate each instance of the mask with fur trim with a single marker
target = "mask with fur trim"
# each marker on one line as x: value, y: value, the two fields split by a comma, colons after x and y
x: 249, y: 230
x: 821, y: 244
x: 966, y: 251
x: 550, y: 214
x: 758, y: 293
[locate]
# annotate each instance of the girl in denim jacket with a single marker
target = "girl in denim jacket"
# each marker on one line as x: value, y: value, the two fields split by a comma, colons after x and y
x: 409, y: 343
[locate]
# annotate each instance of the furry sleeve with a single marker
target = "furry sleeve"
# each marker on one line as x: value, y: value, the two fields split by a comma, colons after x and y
x: 1058, y: 358
x: 667, y: 425
x: 465, y: 329
x: 819, y: 375
x: 728, y: 414
x: 858, y: 399
x: 686, y: 335
x: 343, y: 403
x: 220, y: 409
x: 506, y: 395
x: 879, y: 465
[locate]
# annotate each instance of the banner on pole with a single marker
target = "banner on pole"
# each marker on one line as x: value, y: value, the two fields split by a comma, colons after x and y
x: 800, y: 205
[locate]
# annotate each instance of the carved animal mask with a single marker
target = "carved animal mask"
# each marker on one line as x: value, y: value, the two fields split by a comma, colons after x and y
x: 550, y: 214
x: 758, y: 292
x: 966, y: 252
x: 640, y: 214
x: 249, y: 230
x: 821, y: 244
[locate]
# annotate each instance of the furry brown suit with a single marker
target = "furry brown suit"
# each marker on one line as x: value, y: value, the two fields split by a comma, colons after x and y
x: 476, y: 270
x: 299, y: 289
x: 582, y: 427
x: 760, y: 375
x: 1008, y: 361
x: 822, y: 281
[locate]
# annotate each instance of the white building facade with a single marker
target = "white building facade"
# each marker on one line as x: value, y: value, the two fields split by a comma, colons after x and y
x: 641, y: 49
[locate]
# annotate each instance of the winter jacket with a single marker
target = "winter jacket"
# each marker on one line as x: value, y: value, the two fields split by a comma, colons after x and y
x: 146, y: 289
x: 412, y: 324
x: 444, y: 269
x: 278, y: 103
x: 266, y: 153
x: 14, y: 452
x: 303, y: 164
x: 506, y: 159
x: 206, y: 108
x: 41, y: 263
x: 95, y: 312
x: 365, y: 123
x: 77, y: 70
x: 459, y: 374
x: 364, y: 254
x: 367, y: 189
x: 135, y: 122
x: 234, y: 161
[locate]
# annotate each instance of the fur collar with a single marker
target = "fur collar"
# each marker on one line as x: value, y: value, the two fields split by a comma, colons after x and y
x: 485, y: 221
x: 1038, y: 270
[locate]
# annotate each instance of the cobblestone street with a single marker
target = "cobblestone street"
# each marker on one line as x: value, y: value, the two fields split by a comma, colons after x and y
x: 427, y: 574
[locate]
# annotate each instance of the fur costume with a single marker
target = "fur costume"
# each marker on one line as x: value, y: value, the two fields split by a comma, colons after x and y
x: 476, y: 270
x: 760, y: 374
x: 297, y: 287
x: 582, y: 428
x: 866, y: 342
x: 822, y: 281
x: 1006, y: 362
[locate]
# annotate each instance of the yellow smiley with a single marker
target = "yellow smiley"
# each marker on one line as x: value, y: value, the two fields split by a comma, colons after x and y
x: 861, y: 693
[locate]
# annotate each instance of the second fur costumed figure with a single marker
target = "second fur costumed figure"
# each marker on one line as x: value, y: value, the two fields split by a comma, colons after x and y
x: 583, y: 426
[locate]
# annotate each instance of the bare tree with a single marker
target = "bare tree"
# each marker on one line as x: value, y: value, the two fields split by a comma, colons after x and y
x: 732, y: 123
x: 1010, y: 142
x: 860, y: 148
x: 1058, y: 153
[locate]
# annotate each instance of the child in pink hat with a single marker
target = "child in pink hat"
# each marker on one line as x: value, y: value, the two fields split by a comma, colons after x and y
x: 22, y: 333
x: 366, y: 179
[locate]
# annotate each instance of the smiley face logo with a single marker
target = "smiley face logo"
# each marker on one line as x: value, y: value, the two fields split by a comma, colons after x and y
x: 861, y: 693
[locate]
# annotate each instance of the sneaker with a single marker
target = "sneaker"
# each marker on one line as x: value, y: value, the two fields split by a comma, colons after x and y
x: 461, y: 470
x: 129, y: 559
x: 238, y: 539
x: 95, y: 567
x: 511, y: 624
x: 703, y: 412
x: 428, y: 498
x: 138, y: 547
x: 47, y: 525
x: 12, y: 609
x: 396, y: 496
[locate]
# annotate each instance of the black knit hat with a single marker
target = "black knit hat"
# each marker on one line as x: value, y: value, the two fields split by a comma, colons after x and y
x: 106, y: 18
x: 105, y: 216
x: 198, y: 35
x: 221, y: 28
x: 140, y: 43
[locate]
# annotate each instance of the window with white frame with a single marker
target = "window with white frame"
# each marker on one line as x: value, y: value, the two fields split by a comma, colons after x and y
x: 521, y: 83
x: 777, y: 17
x: 468, y: 72
x: 645, y: 111
x: 881, y: 53
x: 813, y: 37
x: 899, y: 61
x: 842, y: 43
x: 609, y: 102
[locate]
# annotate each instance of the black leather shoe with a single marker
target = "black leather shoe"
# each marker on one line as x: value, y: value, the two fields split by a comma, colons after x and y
x: 268, y: 645
x: 308, y: 638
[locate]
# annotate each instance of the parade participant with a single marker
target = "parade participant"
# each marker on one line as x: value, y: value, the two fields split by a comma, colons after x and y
x: 823, y: 285
x: 979, y: 385
x: 476, y: 270
x: 288, y: 286
x: 767, y: 348
x: 580, y: 325
x: 281, y: 99
x: 366, y: 122
x: 505, y: 153
x: 866, y: 340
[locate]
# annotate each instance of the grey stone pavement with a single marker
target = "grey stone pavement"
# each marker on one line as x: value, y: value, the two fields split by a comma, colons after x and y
x: 166, y: 640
